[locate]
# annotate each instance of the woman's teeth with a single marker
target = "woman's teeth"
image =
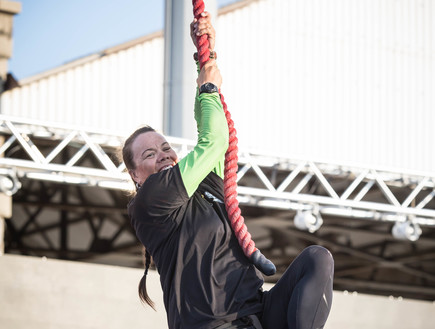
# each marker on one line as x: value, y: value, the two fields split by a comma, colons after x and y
x: 166, y: 168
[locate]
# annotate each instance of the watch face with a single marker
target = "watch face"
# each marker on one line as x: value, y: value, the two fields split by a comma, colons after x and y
x: 208, y: 87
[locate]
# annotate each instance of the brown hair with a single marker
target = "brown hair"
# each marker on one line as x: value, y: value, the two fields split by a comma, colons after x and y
x: 142, y: 288
x: 127, y: 156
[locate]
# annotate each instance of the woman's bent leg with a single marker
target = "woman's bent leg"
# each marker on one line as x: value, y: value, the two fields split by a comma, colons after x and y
x: 302, y: 298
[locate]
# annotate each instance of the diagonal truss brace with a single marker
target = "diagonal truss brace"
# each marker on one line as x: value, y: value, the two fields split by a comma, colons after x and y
x: 290, y: 193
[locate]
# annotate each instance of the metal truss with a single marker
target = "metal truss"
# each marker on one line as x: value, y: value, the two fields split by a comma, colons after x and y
x: 69, y: 202
x: 72, y: 222
x: 56, y: 153
x: 338, y: 189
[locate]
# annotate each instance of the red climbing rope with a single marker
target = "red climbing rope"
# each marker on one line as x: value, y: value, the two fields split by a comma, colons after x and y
x: 231, y: 156
x: 230, y: 174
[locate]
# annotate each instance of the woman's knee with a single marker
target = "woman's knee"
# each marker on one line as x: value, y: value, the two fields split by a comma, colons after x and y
x: 319, y: 256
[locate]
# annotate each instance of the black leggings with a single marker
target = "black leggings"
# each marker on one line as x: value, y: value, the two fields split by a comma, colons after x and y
x: 302, y: 297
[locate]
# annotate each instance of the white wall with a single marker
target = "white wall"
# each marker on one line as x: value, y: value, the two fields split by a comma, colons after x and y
x: 338, y: 80
x: 359, y: 311
x: 51, y: 294
x: 329, y: 80
x: 116, y: 90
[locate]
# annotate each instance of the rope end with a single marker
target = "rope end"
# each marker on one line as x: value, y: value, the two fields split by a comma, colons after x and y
x: 262, y: 263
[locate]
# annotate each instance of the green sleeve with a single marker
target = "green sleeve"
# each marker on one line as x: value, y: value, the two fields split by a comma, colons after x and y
x: 209, y: 153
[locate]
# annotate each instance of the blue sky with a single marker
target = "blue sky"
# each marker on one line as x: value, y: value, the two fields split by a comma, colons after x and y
x: 48, y: 33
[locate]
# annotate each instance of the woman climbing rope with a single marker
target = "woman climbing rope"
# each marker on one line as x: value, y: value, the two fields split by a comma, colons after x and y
x: 179, y: 215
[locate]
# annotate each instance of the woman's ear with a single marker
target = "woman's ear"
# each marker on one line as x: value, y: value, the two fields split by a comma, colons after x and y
x: 133, y: 175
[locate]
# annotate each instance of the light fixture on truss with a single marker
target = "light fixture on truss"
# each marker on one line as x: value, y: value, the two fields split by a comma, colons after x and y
x: 9, y: 183
x: 406, y: 229
x: 308, y: 220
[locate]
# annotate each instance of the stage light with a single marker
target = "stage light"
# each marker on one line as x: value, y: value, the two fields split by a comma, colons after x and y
x: 406, y: 230
x: 308, y: 220
x: 9, y: 184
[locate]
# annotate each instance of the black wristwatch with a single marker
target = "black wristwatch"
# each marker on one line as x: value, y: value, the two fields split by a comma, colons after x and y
x: 208, y: 88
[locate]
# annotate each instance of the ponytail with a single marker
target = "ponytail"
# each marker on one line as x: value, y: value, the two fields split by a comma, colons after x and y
x: 143, y: 295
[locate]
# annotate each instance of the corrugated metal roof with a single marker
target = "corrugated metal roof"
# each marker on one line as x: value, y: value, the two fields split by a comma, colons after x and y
x: 89, y: 58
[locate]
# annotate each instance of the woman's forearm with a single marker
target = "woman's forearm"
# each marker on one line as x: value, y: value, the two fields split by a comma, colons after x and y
x: 208, y: 155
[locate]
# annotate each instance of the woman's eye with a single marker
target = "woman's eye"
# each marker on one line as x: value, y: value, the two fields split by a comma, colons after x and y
x: 166, y: 149
x: 149, y: 155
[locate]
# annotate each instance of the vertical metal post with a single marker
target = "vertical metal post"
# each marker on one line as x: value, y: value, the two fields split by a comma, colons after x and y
x: 180, y: 69
x: 63, y: 253
x: 5, y: 212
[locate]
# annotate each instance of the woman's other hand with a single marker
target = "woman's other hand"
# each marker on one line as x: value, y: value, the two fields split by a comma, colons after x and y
x: 203, y: 26
x: 210, y: 73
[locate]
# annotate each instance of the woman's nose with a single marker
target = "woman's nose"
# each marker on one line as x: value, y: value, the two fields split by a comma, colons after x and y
x: 163, y: 156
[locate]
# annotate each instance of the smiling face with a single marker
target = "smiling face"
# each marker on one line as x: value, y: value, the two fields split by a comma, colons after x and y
x: 151, y: 154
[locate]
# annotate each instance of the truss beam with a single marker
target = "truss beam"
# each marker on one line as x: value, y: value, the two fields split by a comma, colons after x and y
x: 57, y: 153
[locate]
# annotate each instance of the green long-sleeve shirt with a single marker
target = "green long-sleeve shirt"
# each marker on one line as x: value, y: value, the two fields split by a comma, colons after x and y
x: 209, y: 153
